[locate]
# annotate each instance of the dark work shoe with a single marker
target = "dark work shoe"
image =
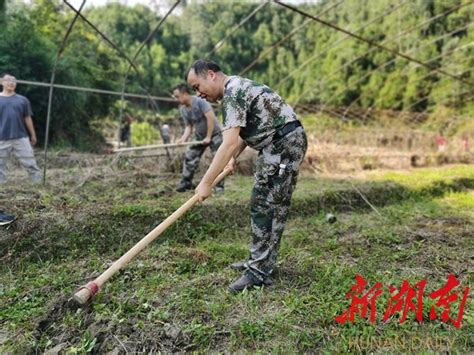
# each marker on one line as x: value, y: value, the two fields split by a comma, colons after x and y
x: 243, y: 283
x: 184, y: 186
x: 239, y: 265
x: 267, y: 282
x: 6, y: 218
x: 219, y: 190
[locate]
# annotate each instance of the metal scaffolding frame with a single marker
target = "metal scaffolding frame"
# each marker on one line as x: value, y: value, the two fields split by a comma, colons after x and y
x: 372, y: 43
x: 384, y: 13
x: 135, y: 56
x: 381, y: 66
x: 411, y: 29
x: 51, y: 87
x: 414, y: 50
x: 236, y: 27
x: 96, y: 91
x: 393, y: 60
x: 131, y: 62
x: 278, y: 43
x: 458, y: 77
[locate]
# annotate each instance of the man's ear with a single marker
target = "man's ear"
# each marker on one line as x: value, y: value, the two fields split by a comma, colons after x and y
x: 211, y: 74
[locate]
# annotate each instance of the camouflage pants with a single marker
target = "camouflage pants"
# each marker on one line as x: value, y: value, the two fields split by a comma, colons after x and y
x: 271, y: 199
x: 193, y: 157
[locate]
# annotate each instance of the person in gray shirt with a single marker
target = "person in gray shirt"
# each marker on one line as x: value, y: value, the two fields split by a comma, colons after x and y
x: 15, y: 124
x: 198, y: 115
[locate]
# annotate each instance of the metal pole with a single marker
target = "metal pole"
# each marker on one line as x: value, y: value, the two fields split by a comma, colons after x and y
x: 132, y: 64
x: 96, y: 91
x: 156, y: 146
x: 113, y: 45
x: 277, y: 44
x: 404, y: 33
x: 335, y: 44
x: 236, y: 27
x: 51, y: 88
x: 372, y: 43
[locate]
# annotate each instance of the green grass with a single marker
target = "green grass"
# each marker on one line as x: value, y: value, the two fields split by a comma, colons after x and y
x: 463, y: 202
x: 423, y: 177
x: 173, y: 296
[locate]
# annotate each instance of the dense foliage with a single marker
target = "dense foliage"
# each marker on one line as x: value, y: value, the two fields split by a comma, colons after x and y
x: 315, y: 64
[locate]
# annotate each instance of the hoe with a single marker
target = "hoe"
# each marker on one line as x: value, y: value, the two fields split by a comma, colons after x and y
x: 85, y: 293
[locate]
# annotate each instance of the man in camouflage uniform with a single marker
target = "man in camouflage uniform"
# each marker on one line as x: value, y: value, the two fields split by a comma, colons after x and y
x: 256, y: 116
x: 196, y: 113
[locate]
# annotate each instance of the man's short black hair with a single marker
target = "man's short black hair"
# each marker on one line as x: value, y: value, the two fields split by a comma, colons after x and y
x: 182, y: 88
x: 201, y: 66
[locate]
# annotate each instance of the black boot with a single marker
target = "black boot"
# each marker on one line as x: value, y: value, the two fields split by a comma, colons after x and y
x: 184, y: 186
x: 239, y: 265
x: 244, y: 282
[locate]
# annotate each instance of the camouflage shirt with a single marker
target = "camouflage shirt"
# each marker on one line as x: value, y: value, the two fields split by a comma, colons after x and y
x: 256, y: 109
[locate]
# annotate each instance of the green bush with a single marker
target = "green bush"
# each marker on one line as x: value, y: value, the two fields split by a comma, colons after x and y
x: 144, y: 133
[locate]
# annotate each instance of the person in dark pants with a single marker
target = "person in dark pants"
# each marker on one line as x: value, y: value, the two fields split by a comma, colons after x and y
x: 254, y: 116
x: 198, y: 115
x: 126, y: 131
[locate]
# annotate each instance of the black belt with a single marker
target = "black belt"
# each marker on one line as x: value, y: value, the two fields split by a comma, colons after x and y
x: 289, y: 127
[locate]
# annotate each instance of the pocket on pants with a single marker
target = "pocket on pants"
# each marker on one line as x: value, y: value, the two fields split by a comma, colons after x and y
x: 274, y: 181
x: 268, y: 165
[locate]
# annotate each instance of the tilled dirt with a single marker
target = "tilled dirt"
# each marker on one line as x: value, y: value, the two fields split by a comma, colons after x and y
x: 116, y: 337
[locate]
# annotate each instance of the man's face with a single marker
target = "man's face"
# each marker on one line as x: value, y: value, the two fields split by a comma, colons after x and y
x: 205, y: 87
x: 9, y: 82
x: 180, y: 96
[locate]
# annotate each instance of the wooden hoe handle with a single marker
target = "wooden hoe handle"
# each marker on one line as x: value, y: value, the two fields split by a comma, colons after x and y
x: 86, y: 292
x: 156, y: 146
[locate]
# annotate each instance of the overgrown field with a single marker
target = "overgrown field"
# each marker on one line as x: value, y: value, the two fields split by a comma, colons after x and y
x: 173, y: 296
